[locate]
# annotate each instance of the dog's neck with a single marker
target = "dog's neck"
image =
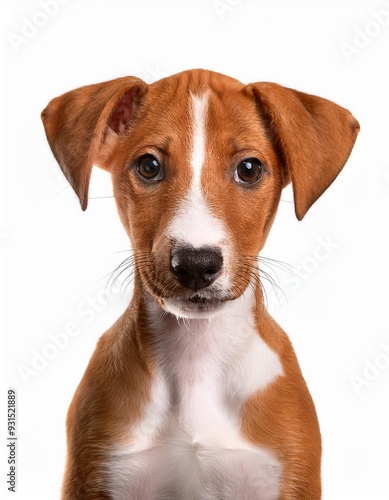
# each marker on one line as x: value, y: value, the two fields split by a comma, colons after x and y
x: 201, y: 361
x: 215, y: 340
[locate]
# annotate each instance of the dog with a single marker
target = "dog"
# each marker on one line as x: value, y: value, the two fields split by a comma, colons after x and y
x: 195, y: 393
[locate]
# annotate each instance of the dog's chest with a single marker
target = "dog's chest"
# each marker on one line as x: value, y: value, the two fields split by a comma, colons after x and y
x: 188, y: 444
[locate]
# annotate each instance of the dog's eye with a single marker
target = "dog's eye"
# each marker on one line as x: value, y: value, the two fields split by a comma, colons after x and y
x: 249, y: 171
x: 149, y: 168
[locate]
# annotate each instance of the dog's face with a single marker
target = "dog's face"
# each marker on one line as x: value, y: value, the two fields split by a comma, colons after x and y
x: 197, y: 183
x: 198, y: 162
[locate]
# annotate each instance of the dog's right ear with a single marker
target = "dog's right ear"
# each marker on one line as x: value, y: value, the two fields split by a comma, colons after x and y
x: 77, y: 125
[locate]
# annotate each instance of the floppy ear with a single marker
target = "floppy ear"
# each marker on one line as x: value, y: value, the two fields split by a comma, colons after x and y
x: 313, y: 136
x: 77, y: 124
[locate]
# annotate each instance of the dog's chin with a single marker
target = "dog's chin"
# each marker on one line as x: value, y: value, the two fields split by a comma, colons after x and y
x: 195, y: 307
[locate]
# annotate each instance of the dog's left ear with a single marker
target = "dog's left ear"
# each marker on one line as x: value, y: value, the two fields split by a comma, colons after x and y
x: 314, y: 137
x: 81, y: 122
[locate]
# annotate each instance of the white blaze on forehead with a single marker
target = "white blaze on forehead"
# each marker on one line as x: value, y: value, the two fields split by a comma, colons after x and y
x: 194, y: 224
x: 199, y: 113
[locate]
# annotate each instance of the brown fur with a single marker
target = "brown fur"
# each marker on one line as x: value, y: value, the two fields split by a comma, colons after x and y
x: 299, y: 137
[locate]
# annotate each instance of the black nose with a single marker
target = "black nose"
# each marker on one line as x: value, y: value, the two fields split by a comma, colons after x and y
x: 196, y: 268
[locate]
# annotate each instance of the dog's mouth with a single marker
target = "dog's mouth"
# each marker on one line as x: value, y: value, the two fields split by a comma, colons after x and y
x: 203, y: 303
x: 199, y: 305
x: 201, y: 300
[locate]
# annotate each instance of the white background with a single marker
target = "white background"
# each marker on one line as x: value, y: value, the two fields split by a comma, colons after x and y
x: 55, y: 258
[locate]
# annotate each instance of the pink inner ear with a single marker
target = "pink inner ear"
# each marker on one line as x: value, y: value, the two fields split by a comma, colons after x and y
x: 122, y: 113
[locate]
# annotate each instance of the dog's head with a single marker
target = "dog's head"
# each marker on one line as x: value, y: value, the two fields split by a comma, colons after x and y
x: 198, y: 162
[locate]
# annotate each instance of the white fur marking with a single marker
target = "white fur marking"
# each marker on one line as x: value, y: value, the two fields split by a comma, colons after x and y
x: 199, y: 105
x: 194, y: 224
x: 189, y: 443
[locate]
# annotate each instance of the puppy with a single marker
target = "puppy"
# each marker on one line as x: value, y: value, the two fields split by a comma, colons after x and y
x: 195, y: 393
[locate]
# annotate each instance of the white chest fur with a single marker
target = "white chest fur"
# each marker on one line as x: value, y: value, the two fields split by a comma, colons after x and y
x: 188, y: 445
